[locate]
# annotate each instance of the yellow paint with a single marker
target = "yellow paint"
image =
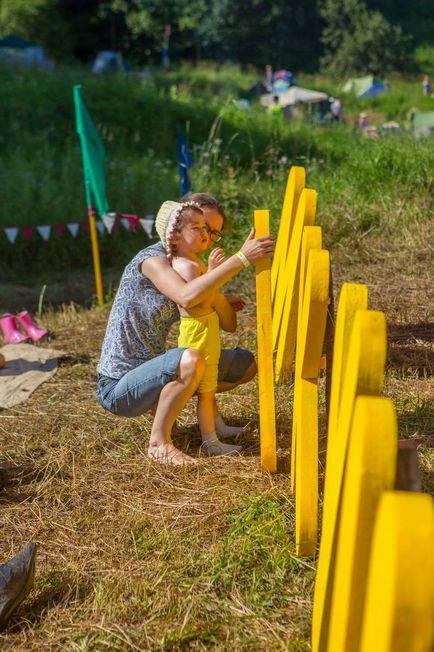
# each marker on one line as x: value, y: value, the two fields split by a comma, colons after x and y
x: 286, y: 303
x: 352, y: 297
x: 399, y: 608
x: 294, y: 186
x: 370, y: 470
x: 363, y: 374
x: 306, y: 469
x: 310, y: 338
x: 311, y: 240
x: 265, y: 353
x: 96, y: 259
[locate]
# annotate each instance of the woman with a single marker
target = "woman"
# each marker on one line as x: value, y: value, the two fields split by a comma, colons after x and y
x: 135, y: 373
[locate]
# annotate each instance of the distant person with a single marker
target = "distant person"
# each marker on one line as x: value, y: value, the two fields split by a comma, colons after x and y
x: 269, y: 78
x: 335, y: 109
x: 275, y: 109
x: 426, y: 85
x: 362, y: 120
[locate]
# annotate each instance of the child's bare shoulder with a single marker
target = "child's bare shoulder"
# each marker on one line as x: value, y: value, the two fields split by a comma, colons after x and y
x: 188, y: 269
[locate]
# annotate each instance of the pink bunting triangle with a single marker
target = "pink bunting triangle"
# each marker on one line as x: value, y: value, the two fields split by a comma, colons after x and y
x: 27, y: 232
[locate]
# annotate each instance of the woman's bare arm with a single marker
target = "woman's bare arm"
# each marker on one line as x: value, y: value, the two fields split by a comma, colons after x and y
x: 191, y: 293
x: 227, y: 315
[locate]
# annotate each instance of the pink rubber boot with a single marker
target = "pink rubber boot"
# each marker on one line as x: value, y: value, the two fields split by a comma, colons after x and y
x: 29, y: 325
x: 11, y: 334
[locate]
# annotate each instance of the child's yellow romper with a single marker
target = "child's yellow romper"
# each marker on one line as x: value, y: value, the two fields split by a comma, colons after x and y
x: 203, y: 334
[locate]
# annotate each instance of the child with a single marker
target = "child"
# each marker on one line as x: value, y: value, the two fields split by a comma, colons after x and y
x: 188, y: 235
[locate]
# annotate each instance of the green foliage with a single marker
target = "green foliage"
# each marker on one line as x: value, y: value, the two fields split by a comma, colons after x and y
x: 241, y: 156
x: 358, y: 40
x: 37, y: 20
x: 256, y: 555
x: 424, y: 59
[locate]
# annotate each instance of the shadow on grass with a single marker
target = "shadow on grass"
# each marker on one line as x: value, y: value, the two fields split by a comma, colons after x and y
x: 409, y: 350
x: 58, y: 587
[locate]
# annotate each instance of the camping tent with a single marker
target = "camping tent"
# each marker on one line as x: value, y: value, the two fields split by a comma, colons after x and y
x: 294, y: 95
x: 364, y: 86
x: 422, y: 122
x: 108, y: 61
x: 17, y: 51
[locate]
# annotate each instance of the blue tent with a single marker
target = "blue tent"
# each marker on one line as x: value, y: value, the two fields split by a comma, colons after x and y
x: 16, y: 51
x: 365, y: 86
x: 108, y: 61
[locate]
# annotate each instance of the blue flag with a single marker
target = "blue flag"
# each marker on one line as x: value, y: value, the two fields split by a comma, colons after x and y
x: 184, y: 163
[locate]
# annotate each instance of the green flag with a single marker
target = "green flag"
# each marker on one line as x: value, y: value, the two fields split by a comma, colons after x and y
x: 92, y: 151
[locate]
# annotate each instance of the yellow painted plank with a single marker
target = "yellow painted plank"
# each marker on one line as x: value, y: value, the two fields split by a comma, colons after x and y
x: 294, y: 185
x: 398, y: 615
x: 306, y: 469
x: 267, y: 420
x: 364, y: 374
x: 353, y: 297
x: 311, y: 239
x: 304, y: 453
x: 314, y: 317
x: 370, y: 470
x: 286, y: 303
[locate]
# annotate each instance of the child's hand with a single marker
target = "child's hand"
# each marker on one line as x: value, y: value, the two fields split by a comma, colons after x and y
x: 216, y: 258
x: 237, y: 303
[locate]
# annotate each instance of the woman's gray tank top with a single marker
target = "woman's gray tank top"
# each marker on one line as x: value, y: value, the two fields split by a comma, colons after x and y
x: 139, y: 320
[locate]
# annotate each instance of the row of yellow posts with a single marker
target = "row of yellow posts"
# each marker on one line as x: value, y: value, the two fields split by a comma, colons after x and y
x: 374, y: 589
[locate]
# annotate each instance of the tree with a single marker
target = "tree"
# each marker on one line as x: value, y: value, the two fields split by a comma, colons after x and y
x: 36, y: 20
x: 357, y: 40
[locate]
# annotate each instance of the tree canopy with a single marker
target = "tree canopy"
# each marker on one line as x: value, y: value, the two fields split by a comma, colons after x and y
x: 345, y: 36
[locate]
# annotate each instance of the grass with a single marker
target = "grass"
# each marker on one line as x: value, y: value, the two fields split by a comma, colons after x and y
x: 134, y: 556
x: 242, y: 156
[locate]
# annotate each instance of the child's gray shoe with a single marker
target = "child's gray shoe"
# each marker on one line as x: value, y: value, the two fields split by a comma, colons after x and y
x: 215, y: 447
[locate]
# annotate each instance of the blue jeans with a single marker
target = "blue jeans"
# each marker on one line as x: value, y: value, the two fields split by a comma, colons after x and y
x: 139, y: 389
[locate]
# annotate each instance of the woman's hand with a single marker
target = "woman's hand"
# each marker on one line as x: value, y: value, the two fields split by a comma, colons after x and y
x: 216, y: 258
x: 237, y: 303
x: 256, y: 248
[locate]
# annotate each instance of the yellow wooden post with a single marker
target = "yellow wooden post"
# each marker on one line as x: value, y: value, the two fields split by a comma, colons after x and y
x: 95, y: 256
x: 267, y: 421
x: 364, y: 371
x: 353, y: 297
x: 398, y: 614
x: 286, y: 303
x: 294, y: 186
x: 311, y: 239
x: 370, y: 470
x: 309, y: 349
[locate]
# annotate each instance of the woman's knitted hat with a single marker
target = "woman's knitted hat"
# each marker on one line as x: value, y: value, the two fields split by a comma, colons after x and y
x: 165, y: 216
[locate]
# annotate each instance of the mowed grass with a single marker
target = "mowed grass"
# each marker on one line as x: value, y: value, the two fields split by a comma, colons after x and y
x: 136, y: 556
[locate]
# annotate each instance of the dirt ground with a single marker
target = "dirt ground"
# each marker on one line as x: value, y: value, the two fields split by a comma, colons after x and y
x: 132, y: 556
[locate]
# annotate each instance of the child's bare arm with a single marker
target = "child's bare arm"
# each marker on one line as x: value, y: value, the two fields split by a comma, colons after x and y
x: 187, y: 269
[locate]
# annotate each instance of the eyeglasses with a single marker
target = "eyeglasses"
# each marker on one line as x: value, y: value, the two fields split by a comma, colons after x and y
x: 214, y: 236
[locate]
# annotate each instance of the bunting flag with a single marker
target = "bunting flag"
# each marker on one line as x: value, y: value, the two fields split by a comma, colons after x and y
x: 109, y: 224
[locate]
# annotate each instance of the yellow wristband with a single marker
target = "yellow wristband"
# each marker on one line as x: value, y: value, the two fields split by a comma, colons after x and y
x: 243, y: 258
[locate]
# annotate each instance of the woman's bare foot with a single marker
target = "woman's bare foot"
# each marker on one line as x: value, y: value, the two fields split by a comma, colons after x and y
x: 169, y: 454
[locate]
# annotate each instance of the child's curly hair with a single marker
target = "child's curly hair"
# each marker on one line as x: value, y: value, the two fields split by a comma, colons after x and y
x: 177, y: 221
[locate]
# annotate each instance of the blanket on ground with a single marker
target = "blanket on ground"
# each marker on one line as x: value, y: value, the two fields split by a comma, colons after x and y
x: 26, y: 367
